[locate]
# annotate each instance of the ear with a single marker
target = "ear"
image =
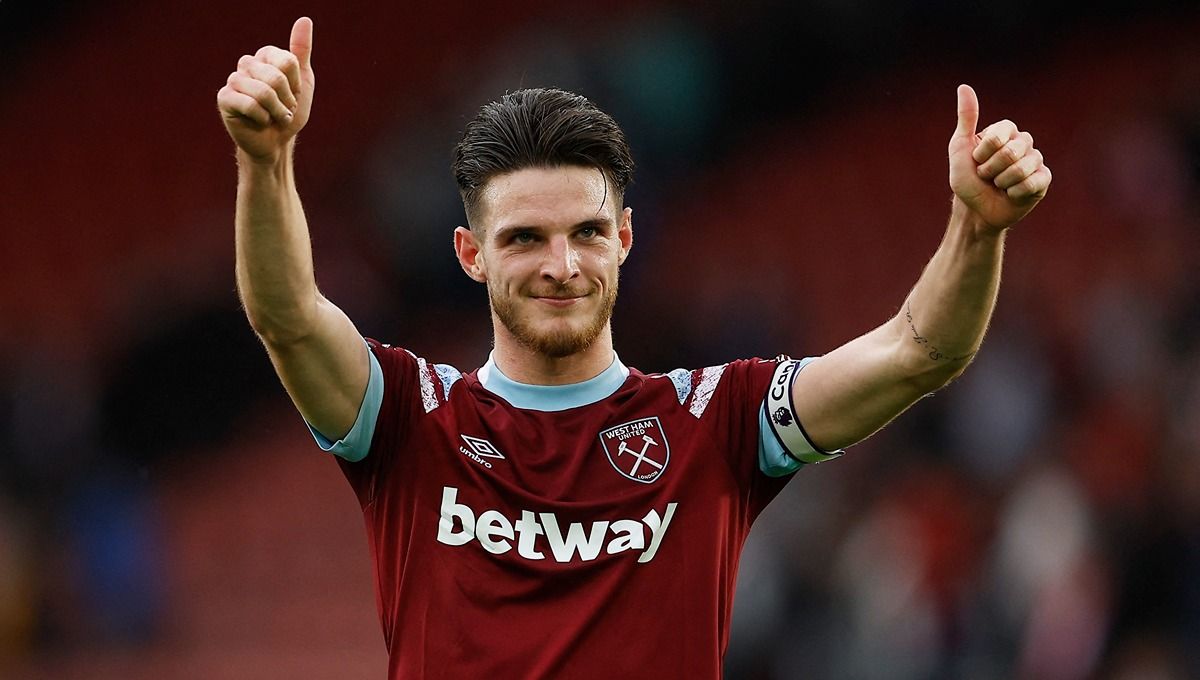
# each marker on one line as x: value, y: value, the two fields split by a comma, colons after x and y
x: 467, y: 250
x: 625, y: 234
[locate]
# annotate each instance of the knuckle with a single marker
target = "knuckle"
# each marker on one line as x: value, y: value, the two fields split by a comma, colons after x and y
x: 274, y: 78
x: 257, y: 89
x: 238, y: 81
x: 283, y: 59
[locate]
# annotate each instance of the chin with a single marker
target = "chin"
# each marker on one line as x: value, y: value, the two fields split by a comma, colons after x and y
x: 554, y: 335
x: 563, y: 341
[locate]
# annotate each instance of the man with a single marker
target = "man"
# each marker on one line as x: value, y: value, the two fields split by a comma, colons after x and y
x: 556, y: 514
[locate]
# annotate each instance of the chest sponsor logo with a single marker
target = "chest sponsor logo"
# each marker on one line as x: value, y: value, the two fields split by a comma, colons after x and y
x: 637, y: 449
x: 535, y: 532
x: 480, y: 450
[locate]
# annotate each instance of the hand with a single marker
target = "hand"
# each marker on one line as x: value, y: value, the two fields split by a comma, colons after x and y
x: 266, y: 101
x: 997, y: 174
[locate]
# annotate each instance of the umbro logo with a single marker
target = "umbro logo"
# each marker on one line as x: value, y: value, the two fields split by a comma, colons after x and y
x: 480, y: 450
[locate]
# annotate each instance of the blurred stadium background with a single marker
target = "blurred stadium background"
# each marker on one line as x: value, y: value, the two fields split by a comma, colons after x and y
x: 163, y: 514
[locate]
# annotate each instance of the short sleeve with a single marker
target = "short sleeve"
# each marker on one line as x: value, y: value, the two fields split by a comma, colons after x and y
x: 727, y: 400
x: 355, y: 445
x: 399, y: 395
x: 784, y: 446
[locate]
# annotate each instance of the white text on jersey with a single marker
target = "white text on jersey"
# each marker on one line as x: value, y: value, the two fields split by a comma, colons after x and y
x: 496, y: 533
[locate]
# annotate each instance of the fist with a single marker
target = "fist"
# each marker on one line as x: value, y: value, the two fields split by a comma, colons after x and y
x: 267, y: 100
x: 997, y: 174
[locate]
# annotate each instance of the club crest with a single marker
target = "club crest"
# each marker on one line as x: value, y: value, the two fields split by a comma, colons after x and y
x: 637, y: 449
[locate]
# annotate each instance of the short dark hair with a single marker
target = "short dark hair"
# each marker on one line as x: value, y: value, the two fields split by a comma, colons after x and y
x: 539, y: 128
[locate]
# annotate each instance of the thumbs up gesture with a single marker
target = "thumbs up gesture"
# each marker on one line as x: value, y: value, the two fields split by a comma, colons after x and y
x: 997, y: 174
x: 266, y: 101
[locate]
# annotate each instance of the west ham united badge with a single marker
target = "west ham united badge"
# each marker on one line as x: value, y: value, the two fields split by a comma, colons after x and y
x: 637, y: 449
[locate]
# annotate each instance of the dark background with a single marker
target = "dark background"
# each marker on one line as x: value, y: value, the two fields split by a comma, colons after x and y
x: 164, y: 514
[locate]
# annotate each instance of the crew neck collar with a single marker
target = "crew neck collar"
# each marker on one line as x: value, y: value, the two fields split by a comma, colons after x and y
x: 553, y: 397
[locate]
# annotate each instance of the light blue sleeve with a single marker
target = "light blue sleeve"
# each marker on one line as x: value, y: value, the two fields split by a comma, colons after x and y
x: 357, y: 442
x: 773, y: 461
x: 778, y: 423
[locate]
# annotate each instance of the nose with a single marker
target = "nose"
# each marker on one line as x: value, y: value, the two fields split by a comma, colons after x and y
x: 561, y: 260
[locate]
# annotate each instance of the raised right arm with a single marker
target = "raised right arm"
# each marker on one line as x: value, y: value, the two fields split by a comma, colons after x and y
x: 315, y: 348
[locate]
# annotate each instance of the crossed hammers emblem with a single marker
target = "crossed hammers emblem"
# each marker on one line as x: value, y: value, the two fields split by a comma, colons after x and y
x: 647, y: 442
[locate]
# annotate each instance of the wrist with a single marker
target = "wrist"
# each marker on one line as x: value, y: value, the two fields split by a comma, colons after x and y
x: 274, y: 160
x: 275, y: 166
x: 973, y: 224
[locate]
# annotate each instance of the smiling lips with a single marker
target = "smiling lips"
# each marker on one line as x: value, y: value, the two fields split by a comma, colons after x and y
x: 557, y: 301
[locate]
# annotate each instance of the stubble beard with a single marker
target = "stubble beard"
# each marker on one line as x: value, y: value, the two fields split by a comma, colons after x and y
x: 558, y: 343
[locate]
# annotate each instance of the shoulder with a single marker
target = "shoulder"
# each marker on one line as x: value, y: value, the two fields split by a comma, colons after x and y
x: 697, y: 388
x: 407, y: 374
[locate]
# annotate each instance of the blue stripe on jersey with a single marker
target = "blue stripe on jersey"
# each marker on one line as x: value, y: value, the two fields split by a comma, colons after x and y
x: 553, y: 397
x: 448, y: 375
x: 354, y: 446
x: 772, y: 459
x: 779, y: 415
x: 683, y: 383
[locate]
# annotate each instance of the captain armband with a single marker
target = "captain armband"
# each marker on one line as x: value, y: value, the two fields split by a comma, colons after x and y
x: 781, y: 414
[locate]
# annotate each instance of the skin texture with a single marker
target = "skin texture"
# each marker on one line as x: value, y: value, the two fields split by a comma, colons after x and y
x: 997, y: 177
x: 549, y: 244
x: 315, y: 348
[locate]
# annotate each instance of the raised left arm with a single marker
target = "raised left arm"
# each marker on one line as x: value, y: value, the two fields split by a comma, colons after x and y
x: 997, y: 177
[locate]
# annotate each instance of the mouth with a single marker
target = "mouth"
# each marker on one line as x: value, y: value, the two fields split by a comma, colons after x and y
x: 559, y: 301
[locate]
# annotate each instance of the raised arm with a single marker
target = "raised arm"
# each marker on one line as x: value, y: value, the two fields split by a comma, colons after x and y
x: 997, y: 177
x: 315, y: 348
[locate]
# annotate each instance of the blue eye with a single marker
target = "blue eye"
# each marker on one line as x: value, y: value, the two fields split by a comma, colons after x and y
x: 523, y: 238
x: 588, y: 232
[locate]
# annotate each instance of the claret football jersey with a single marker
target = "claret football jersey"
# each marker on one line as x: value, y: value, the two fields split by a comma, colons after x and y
x: 579, y: 531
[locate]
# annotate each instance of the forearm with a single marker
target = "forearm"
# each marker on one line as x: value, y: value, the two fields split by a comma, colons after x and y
x: 274, y: 256
x: 859, y: 387
x: 945, y: 316
x: 997, y: 177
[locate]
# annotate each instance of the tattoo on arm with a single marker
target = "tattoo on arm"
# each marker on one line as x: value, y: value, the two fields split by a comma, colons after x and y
x: 934, y: 353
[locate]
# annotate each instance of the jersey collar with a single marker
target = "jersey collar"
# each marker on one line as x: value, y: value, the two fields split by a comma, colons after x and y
x: 553, y: 397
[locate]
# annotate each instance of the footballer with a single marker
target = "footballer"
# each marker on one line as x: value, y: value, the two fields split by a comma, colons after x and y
x: 556, y: 513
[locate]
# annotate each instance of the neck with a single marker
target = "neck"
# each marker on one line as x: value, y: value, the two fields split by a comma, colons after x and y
x: 524, y: 365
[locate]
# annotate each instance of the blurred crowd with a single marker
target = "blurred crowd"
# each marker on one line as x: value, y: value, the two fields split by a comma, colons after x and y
x: 1039, y: 518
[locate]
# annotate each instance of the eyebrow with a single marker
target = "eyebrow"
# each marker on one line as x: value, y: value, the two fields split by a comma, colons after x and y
x: 504, y: 232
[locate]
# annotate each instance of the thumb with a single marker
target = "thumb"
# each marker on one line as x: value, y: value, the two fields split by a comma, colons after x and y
x: 302, y: 41
x: 968, y: 111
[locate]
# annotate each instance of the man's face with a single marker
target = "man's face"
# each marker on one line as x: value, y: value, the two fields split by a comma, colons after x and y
x: 548, y: 242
